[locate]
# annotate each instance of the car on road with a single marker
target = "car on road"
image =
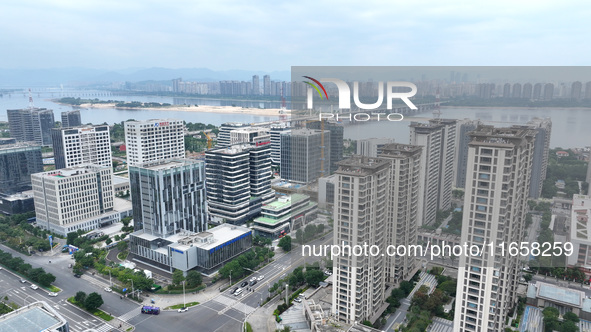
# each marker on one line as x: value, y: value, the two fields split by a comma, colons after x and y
x: 298, y: 299
x: 253, y: 279
x: 23, y: 281
x: 34, y: 287
x: 77, y: 276
x: 238, y: 292
x: 183, y: 309
x: 234, y: 290
x: 261, y: 277
x: 254, y: 282
x: 244, y: 284
x: 108, y: 290
x: 52, y: 294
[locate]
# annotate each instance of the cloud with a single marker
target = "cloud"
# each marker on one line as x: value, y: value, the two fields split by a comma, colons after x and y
x: 273, y: 35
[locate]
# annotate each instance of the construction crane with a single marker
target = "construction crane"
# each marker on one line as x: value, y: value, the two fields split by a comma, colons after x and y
x: 209, y: 141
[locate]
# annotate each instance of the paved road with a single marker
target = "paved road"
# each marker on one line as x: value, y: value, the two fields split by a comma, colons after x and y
x: 69, y: 285
x: 21, y: 294
x: 224, y: 312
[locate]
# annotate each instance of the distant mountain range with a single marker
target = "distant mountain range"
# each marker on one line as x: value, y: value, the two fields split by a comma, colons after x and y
x: 87, y: 76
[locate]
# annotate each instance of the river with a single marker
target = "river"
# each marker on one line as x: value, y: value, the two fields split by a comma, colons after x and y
x: 570, y: 126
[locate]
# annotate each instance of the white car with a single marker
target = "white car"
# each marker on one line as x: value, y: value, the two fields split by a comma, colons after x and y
x: 253, y: 279
x: 183, y: 309
x: 108, y: 290
x: 261, y: 277
x: 34, y: 287
x: 23, y: 281
x: 298, y: 299
x: 52, y: 294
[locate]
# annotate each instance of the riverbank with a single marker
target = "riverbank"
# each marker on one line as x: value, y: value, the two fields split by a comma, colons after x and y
x: 187, y: 108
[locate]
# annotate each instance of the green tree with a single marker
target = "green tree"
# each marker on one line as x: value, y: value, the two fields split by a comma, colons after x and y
x: 109, y: 241
x: 571, y: 316
x: 314, y: 277
x: 194, y: 278
x: 46, y: 279
x: 80, y: 297
x: 285, y: 243
x: 177, y: 277
x: 121, y: 246
x: 93, y: 301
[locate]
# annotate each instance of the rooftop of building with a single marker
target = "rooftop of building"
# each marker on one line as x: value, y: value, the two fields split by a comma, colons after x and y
x: 250, y: 129
x: 35, y: 317
x: 210, y: 239
x: 500, y: 135
x: 359, y: 165
x: 121, y: 204
x: 233, y: 149
x: 73, y: 171
x: 158, y: 165
x: 18, y: 146
x: 235, y: 124
x: 304, y: 132
x: 120, y: 180
x: 398, y: 149
x: 553, y: 293
x: 151, y: 121
x: 31, y: 109
x: 205, y: 240
x: 285, y: 201
x: 580, y: 228
x: 18, y: 196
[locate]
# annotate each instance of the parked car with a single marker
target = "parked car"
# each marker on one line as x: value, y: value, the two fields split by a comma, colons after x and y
x: 183, y: 309
x: 23, y: 281
x: 244, y: 284
x: 298, y: 299
x: 34, y: 287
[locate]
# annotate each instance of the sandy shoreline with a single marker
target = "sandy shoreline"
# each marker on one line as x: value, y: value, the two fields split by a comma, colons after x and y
x: 191, y: 108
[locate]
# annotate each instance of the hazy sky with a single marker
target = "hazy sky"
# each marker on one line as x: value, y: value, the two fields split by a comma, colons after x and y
x: 274, y: 35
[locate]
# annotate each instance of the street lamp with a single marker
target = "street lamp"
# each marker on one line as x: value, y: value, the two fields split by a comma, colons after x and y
x: 132, y: 290
x: 184, y: 300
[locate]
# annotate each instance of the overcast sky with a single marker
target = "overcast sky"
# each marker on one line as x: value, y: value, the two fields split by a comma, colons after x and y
x: 274, y: 35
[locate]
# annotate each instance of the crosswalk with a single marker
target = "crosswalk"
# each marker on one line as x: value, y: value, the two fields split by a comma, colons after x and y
x: 232, y: 302
x: 126, y: 317
x: 94, y: 281
x: 102, y: 328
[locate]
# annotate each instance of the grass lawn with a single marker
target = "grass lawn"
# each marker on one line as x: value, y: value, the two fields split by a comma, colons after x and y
x: 122, y: 255
x: 54, y: 289
x: 178, y: 306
